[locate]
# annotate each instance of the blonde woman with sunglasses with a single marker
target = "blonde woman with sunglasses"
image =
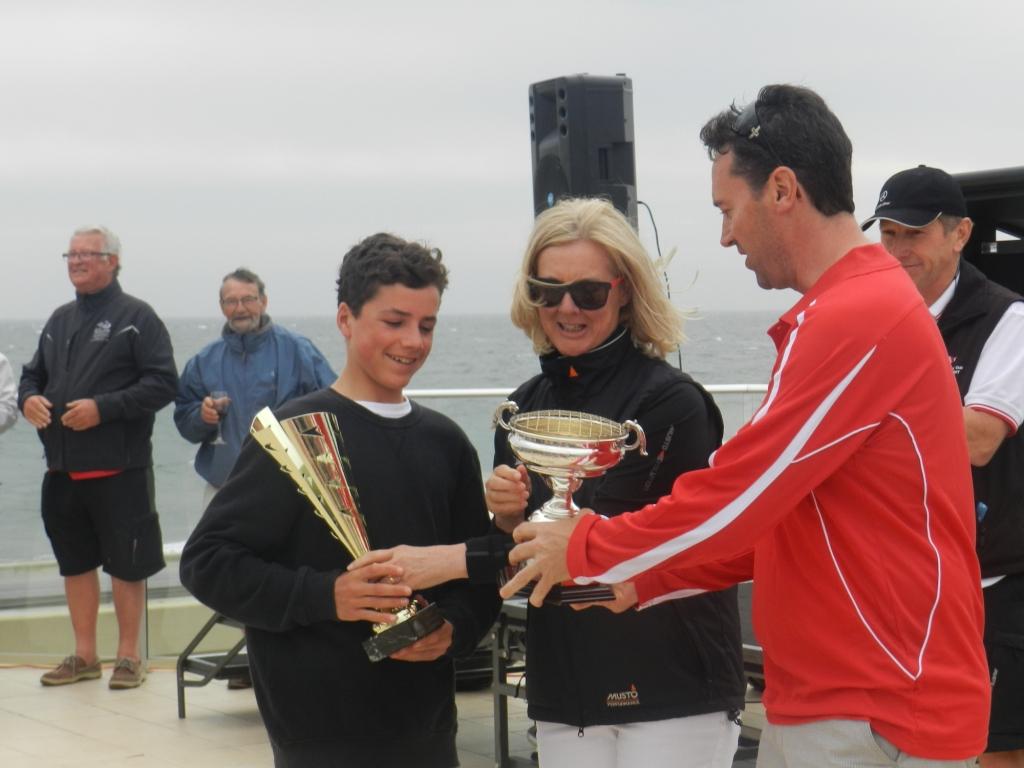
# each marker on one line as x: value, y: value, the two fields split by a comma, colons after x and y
x: 660, y: 687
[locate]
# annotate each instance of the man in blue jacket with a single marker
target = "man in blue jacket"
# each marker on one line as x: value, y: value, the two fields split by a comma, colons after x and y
x: 255, y: 363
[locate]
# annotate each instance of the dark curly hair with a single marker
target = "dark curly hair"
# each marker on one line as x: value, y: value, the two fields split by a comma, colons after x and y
x: 794, y: 127
x: 384, y: 259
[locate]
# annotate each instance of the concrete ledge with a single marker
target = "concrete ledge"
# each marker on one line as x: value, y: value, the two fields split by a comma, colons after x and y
x: 43, y: 635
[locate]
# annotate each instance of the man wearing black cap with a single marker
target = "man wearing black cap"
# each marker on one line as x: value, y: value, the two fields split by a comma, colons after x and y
x: 924, y: 224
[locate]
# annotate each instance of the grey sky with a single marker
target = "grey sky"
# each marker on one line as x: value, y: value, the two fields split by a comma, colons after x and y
x: 275, y: 134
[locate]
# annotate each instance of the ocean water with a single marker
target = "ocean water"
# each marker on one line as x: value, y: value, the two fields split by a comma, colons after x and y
x: 469, y: 351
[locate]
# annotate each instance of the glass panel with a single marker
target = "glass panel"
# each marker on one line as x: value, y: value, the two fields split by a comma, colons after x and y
x: 478, y: 351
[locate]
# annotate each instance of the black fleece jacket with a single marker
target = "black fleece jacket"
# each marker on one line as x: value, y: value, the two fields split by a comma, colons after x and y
x: 262, y: 556
x: 676, y: 659
x: 113, y: 348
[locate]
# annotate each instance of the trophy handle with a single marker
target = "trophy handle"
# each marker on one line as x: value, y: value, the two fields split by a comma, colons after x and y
x: 508, y: 406
x: 641, y: 439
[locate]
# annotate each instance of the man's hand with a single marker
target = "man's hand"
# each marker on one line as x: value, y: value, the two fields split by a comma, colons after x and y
x: 428, y: 648
x: 369, y: 594
x: 625, y: 598
x: 543, y: 547
x: 507, y: 491
x: 208, y: 411
x: 421, y: 567
x: 81, y: 415
x: 37, y: 411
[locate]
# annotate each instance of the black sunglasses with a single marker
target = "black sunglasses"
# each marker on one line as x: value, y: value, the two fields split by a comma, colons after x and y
x: 586, y: 294
x: 747, y: 125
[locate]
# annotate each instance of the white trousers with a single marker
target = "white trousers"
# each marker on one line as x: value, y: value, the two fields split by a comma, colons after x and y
x: 700, y: 741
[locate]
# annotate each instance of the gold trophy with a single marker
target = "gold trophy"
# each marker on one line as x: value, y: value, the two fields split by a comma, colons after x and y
x: 564, y: 448
x: 310, y: 450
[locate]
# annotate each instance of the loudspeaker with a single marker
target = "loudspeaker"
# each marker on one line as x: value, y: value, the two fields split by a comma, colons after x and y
x: 581, y: 140
x: 995, y: 202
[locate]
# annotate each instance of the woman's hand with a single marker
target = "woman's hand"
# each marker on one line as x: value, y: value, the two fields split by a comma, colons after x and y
x: 507, y: 491
x: 420, y: 567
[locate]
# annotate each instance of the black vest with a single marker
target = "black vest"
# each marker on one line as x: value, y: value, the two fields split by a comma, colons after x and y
x: 977, y: 306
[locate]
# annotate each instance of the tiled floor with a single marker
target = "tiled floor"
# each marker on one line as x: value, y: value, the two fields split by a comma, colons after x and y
x: 87, y: 724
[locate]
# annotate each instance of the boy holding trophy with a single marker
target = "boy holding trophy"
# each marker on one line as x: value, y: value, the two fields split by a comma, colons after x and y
x: 408, y: 476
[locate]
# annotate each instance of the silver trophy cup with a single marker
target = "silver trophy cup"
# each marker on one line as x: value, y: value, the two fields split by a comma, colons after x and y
x: 564, y: 448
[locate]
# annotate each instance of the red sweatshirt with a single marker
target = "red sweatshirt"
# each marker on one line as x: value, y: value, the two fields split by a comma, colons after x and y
x: 847, y: 498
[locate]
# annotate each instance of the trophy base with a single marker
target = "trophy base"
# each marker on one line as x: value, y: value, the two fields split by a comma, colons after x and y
x: 562, y: 594
x: 404, y: 633
x: 568, y: 594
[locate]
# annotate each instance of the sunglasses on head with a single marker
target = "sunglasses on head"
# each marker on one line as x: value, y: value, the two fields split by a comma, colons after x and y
x: 747, y: 125
x: 586, y: 294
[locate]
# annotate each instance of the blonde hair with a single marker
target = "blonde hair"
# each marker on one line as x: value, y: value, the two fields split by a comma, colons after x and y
x: 655, y: 325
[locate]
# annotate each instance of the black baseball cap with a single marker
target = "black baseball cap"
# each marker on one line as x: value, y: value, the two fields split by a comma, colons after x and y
x: 917, y: 197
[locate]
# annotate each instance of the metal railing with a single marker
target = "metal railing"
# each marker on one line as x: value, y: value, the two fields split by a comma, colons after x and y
x: 34, y: 584
x: 714, y: 389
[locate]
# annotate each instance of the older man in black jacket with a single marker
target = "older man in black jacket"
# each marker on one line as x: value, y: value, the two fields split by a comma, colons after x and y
x: 103, y: 368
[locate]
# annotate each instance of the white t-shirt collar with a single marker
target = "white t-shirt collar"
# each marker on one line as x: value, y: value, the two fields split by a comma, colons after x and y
x: 388, y: 410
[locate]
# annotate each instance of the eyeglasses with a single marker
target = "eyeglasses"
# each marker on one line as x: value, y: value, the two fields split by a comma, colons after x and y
x: 246, y: 301
x: 84, y: 255
x: 586, y: 294
x: 748, y: 126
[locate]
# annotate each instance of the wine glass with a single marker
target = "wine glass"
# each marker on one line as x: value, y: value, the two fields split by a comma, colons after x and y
x: 221, y: 401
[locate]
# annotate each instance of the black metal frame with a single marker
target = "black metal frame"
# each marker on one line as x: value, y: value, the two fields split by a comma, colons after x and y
x: 508, y: 656
x: 210, y: 666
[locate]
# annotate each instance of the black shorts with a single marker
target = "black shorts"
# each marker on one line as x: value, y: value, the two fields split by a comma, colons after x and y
x: 108, y: 521
x: 1004, y: 644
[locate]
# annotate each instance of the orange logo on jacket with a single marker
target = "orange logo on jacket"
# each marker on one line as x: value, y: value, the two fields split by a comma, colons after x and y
x: 630, y: 698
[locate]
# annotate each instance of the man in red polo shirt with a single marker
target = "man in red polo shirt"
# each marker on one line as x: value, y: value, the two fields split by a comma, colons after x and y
x: 846, y: 498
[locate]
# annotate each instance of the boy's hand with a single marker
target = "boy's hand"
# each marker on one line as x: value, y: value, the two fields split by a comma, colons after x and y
x: 369, y: 593
x: 428, y: 648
